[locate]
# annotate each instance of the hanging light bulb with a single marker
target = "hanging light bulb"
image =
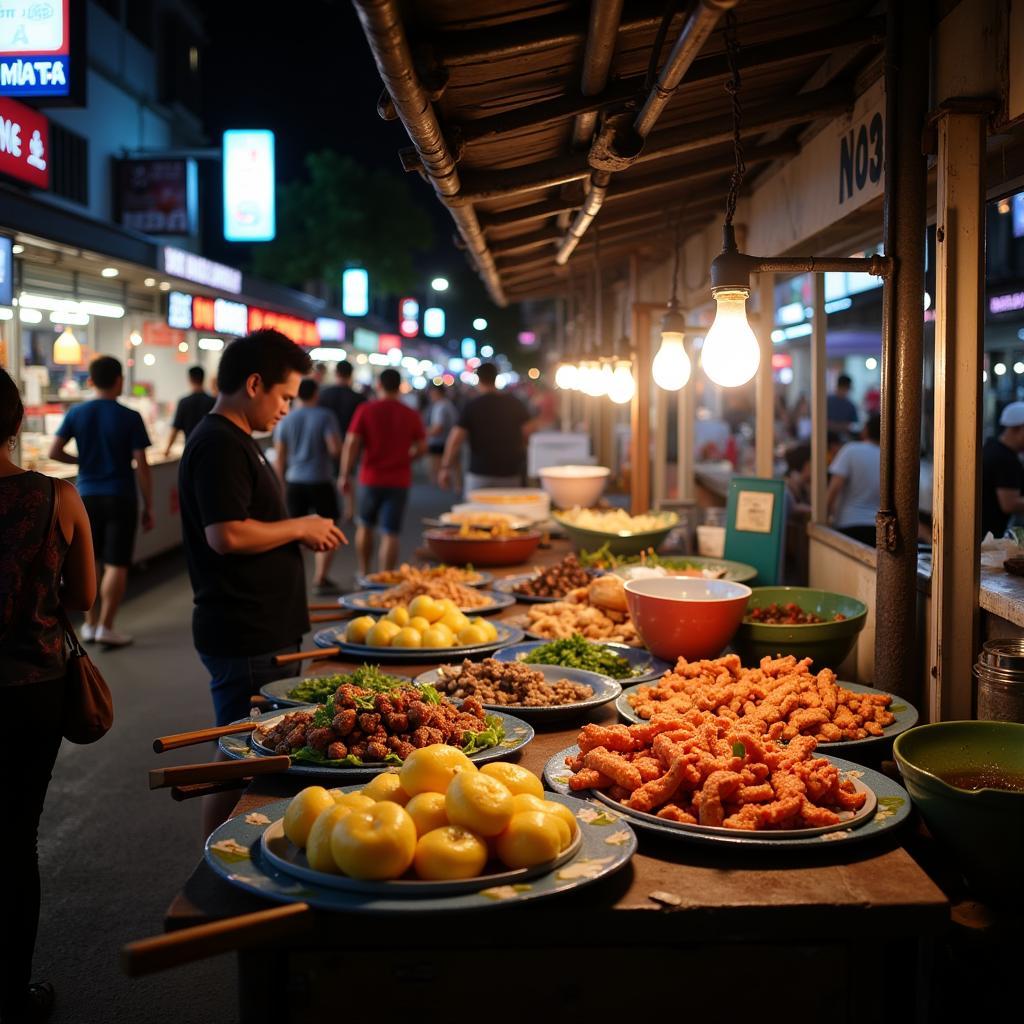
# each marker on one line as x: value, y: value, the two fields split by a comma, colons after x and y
x: 671, y: 367
x: 566, y: 376
x: 592, y: 379
x: 622, y: 387
x: 607, y: 376
x: 731, y: 354
x: 66, y: 349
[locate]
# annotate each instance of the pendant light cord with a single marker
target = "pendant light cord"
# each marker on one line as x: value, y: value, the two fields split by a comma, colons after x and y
x: 598, y: 310
x: 732, y: 86
x: 675, y: 261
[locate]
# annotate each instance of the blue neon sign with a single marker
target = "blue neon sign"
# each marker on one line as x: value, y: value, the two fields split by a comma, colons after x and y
x: 249, y: 201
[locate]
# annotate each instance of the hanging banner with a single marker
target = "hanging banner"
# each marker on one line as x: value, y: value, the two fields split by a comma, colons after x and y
x: 157, y: 196
x: 24, y: 144
x: 249, y: 186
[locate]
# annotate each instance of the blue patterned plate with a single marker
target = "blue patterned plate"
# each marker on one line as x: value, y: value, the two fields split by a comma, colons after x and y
x: 605, y: 690
x: 891, y: 810
x: 644, y: 664
x: 234, y: 851
x: 361, y: 602
x: 478, y: 579
x: 334, y: 636
x: 904, y: 713
x: 241, y: 745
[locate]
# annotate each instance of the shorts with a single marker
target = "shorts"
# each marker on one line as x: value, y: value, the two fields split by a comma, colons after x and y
x: 233, y: 681
x: 114, y: 520
x: 383, y: 504
x: 303, y: 499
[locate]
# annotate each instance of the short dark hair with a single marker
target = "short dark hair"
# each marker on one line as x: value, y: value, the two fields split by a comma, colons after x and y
x: 344, y: 369
x: 319, y: 367
x: 873, y: 427
x: 845, y: 381
x: 308, y: 387
x: 104, y: 371
x: 487, y: 373
x: 11, y: 409
x: 436, y: 389
x: 797, y: 456
x: 196, y: 374
x: 390, y: 380
x: 268, y: 353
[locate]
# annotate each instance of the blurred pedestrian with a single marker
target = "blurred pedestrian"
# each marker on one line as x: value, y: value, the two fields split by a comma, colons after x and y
x: 441, y: 417
x: 110, y: 438
x: 853, y: 486
x: 46, y: 562
x: 191, y: 409
x: 305, y: 442
x: 840, y: 411
x: 343, y: 400
x: 1002, y: 476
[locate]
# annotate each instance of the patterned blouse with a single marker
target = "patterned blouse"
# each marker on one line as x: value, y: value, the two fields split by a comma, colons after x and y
x: 31, y: 638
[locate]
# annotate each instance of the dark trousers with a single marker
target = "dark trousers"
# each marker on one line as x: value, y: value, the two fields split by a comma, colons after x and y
x: 32, y: 746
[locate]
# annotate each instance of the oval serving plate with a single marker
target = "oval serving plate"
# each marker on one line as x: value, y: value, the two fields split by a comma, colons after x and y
x: 234, y: 852
x: 278, y: 691
x: 507, y: 585
x: 479, y: 579
x: 643, y: 662
x: 242, y: 745
x: 905, y: 714
x: 892, y: 808
x: 605, y: 690
x: 334, y: 636
x: 360, y: 602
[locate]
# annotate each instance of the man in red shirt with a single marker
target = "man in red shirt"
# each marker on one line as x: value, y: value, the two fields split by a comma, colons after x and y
x: 390, y: 436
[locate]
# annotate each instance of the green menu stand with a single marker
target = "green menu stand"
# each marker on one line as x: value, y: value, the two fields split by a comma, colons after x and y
x: 755, y: 524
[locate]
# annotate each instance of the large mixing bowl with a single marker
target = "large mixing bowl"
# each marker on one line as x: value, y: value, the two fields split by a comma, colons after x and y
x: 617, y: 543
x: 572, y: 486
x: 982, y: 829
x: 515, y: 549
x: 826, y: 643
x: 684, y: 617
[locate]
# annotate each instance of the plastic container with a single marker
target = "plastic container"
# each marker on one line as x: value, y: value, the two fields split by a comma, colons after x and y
x: 1000, y: 675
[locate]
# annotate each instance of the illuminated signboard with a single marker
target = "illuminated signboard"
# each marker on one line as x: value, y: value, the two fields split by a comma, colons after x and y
x: 179, y: 310
x: 468, y: 348
x: 330, y: 329
x: 1008, y: 302
x: 387, y: 342
x: 190, y: 267
x: 158, y: 196
x: 408, y: 318
x: 302, y: 332
x: 230, y: 317
x: 6, y: 271
x: 35, y: 48
x: 433, y: 322
x: 364, y: 340
x: 1018, y: 215
x: 355, y: 292
x: 24, y: 143
x: 249, y: 214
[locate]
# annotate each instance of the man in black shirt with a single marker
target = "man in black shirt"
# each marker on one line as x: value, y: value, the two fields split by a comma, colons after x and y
x: 1002, y: 476
x: 496, y: 425
x: 343, y: 400
x: 191, y: 409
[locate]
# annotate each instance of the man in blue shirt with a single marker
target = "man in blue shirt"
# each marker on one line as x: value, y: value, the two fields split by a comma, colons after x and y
x: 109, y: 436
x: 306, y: 442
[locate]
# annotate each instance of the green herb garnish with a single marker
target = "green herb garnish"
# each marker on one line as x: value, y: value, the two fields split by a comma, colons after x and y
x: 739, y: 750
x: 317, y: 689
x: 577, y: 652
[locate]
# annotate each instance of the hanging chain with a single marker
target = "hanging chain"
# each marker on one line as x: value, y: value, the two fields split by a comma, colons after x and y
x: 675, y: 263
x: 732, y: 87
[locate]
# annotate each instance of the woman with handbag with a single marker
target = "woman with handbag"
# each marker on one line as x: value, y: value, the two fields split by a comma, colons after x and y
x: 46, y: 566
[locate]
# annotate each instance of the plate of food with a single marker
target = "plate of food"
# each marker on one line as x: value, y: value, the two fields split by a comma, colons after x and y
x: 468, y: 600
x: 618, y: 661
x: 360, y: 732
x: 615, y: 529
x: 464, y: 515
x: 546, y: 585
x: 404, y: 857
x: 704, y: 779
x: 649, y: 562
x: 785, y: 694
x: 536, y: 693
x: 399, y: 636
x: 596, y: 612
x: 293, y: 692
x: 467, y: 577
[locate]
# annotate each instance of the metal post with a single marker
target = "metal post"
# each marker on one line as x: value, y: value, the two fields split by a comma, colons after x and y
x: 764, y: 431
x: 897, y: 662
x: 687, y: 421
x: 640, y: 424
x: 819, y: 416
x: 959, y: 300
x: 660, y: 399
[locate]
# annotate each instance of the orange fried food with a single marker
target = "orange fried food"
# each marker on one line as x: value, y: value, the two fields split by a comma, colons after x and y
x: 614, y: 767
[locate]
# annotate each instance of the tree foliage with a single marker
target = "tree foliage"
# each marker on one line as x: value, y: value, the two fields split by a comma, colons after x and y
x: 345, y: 213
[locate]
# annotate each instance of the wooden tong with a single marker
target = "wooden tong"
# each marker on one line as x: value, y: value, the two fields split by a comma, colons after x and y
x: 217, y: 771
x: 186, y: 739
x: 320, y: 652
x: 189, y: 944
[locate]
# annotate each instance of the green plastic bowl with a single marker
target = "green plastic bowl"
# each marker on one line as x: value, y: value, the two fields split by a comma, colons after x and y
x: 826, y: 643
x: 982, y: 829
x: 618, y: 543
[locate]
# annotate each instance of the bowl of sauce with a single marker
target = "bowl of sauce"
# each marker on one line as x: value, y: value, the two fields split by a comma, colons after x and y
x: 967, y: 780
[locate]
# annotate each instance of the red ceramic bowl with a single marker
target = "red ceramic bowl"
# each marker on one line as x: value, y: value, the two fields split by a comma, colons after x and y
x: 683, y: 617
x: 452, y: 549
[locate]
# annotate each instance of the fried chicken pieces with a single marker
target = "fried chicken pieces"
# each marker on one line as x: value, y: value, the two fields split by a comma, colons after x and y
x: 399, y: 722
x: 781, y: 698
x: 597, y: 611
x: 701, y: 768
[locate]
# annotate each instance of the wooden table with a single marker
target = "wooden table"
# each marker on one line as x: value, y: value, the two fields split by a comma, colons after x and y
x: 846, y: 932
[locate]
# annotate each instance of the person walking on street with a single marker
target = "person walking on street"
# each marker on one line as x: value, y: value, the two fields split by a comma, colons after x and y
x: 442, y: 416
x: 840, y: 411
x: 110, y: 437
x: 40, y: 571
x: 496, y: 426
x: 1002, y: 476
x: 853, y: 486
x: 390, y: 436
x: 343, y: 400
x: 305, y: 442
x: 191, y: 409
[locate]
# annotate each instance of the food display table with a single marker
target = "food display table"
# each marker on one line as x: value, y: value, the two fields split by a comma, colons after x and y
x: 844, y: 932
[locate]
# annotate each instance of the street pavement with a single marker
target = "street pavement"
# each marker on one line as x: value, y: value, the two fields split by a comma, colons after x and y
x: 112, y: 853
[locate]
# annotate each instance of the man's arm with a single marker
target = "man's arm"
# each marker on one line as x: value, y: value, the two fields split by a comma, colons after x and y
x: 58, y: 454
x: 333, y: 440
x: 451, y: 451
x: 170, y: 440
x: 1010, y: 500
x: 836, y: 484
x: 145, y: 477
x: 349, y: 457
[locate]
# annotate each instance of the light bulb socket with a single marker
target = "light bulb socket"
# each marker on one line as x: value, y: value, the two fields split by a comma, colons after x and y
x: 673, y: 322
x: 730, y: 269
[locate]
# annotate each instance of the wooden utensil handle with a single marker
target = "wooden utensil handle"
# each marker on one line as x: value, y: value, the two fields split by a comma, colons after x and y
x: 258, y: 701
x: 324, y: 606
x: 321, y: 652
x: 217, y: 771
x: 334, y: 616
x: 189, y: 944
x: 186, y: 739
x: 181, y: 793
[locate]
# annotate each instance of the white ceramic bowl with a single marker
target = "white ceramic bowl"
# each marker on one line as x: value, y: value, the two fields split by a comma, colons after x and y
x: 572, y: 486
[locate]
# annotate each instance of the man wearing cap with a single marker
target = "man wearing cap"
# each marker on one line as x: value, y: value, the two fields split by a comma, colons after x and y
x: 1002, y: 475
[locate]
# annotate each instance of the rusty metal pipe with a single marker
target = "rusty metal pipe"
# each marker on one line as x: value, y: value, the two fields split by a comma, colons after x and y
x: 605, y: 16
x: 585, y: 215
x: 385, y: 33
